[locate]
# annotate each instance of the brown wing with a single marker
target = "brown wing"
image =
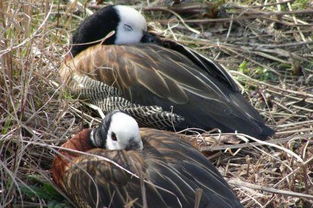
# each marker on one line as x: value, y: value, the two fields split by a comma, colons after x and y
x: 204, y: 63
x: 150, y: 75
x: 165, y: 73
x: 114, y: 179
x: 95, y: 181
x: 167, y: 173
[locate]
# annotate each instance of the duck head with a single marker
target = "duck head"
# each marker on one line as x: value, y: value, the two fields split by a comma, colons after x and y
x: 129, y: 25
x: 118, y: 131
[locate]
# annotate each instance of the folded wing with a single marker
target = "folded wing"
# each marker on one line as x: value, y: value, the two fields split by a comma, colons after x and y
x: 147, y: 74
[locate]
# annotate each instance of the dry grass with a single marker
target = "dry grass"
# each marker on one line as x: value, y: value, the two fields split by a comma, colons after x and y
x: 267, y: 47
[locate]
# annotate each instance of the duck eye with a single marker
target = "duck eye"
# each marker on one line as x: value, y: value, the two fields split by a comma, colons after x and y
x: 113, y: 136
x: 127, y: 27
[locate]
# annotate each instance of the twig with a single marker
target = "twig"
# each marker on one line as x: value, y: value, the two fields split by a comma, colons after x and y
x: 235, y: 6
x: 181, y: 20
x: 258, y: 12
x: 238, y: 183
x: 304, y: 94
x: 295, y: 21
x: 255, y: 144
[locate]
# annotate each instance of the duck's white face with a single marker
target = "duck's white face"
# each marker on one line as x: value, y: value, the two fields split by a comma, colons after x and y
x: 131, y: 27
x: 123, y: 133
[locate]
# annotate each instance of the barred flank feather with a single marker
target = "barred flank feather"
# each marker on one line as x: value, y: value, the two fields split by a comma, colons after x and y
x: 108, y: 99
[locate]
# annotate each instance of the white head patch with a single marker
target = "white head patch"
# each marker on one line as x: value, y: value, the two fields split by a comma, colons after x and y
x: 123, y: 133
x: 131, y: 26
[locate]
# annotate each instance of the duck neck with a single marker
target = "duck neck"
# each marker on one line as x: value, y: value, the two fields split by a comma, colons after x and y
x: 80, y: 142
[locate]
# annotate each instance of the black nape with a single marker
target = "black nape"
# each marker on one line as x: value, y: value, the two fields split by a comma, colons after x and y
x: 98, y: 135
x: 102, y: 131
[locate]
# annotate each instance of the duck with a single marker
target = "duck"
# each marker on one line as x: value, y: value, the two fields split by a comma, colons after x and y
x: 118, y: 164
x: 116, y: 63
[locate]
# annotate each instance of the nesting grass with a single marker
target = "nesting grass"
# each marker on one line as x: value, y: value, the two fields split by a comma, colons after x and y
x: 266, y: 45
